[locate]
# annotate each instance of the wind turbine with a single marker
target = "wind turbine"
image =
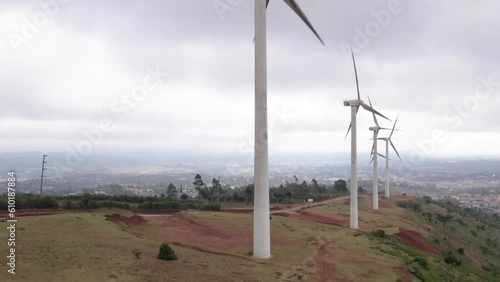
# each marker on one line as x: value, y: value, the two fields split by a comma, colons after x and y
x: 261, y: 227
x: 354, y: 104
x: 387, y: 141
x: 374, y: 159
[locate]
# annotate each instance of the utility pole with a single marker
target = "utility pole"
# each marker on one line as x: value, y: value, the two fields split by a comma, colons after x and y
x: 218, y: 187
x: 41, y: 177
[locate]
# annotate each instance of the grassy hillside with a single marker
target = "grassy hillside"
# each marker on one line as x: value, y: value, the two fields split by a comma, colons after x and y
x: 215, y: 245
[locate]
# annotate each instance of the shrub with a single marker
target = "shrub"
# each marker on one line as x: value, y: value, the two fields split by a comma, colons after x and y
x: 451, y: 259
x: 460, y: 251
x: 276, y: 208
x: 67, y: 205
x: 411, y: 205
x: 427, y: 199
x: 486, y: 250
x: 378, y: 233
x: 166, y: 253
x: 462, y: 222
x: 136, y: 253
x: 422, y: 262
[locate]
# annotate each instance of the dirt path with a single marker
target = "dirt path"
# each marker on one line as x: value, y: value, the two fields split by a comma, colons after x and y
x: 310, y: 205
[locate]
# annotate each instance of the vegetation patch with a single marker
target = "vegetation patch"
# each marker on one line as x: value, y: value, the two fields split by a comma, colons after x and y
x: 166, y: 253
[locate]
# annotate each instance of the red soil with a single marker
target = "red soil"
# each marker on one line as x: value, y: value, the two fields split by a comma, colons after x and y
x: 407, y: 276
x: 181, y: 229
x: 130, y: 221
x: 237, y: 210
x: 315, y: 218
x: 153, y: 211
x: 415, y: 240
x: 33, y: 212
x: 326, y: 268
x: 384, y: 205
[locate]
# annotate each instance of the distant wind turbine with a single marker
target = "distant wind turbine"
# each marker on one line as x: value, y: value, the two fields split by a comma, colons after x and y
x: 354, y: 104
x: 261, y: 229
x: 375, y: 155
x: 387, y: 141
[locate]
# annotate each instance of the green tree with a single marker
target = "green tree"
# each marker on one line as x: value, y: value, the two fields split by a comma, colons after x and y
x: 315, y: 186
x: 85, y: 202
x: 444, y: 219
x: 171, y: 191
x: 202, y: 189
x: 198, y: 183
x: 249, y: 192
x: 340, y: 186
x: 216, y: 188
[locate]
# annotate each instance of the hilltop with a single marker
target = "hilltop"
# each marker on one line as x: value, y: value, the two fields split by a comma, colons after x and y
x: 405, y: 240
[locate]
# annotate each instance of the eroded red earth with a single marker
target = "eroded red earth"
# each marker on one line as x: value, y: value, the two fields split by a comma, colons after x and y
x: 415, y: 240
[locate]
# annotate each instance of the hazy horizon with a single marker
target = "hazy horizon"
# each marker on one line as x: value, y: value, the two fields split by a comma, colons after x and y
x: 174, y: 76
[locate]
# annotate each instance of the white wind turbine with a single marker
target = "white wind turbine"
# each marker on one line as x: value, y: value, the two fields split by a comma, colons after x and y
x: 375, y: 155
x: 387, y: 141
x: 261, y: 227
x: 354, y: 104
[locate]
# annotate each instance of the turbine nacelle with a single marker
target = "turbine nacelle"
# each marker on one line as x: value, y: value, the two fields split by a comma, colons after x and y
x: 353, y: 103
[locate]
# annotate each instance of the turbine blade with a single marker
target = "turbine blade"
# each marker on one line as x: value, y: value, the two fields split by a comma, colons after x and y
x: 350, y: 124
x: 392, y: 131
x: 355, y: 74
x: 381, y: 155
x: 349, y: 129
x: 374, y: 116
x: 370, y: 109
x: 371, y: 162
x: 295, y: 7
x: 373, y: 148
x: 396, y: 151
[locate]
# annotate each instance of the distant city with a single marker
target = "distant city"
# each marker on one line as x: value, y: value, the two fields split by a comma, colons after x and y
x: 471, y: 182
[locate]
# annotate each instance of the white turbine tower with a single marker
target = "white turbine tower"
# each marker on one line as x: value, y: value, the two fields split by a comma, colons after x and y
x: 387, y: 142
x: 354, y: 104
x: 374, y: 159
x: 261, y: 227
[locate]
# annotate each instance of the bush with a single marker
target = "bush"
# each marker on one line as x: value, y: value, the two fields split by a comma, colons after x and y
x: 136, y: 253
x: 461, y: 251
x: 462, y: 222
x: 378, y: 233
x: 451, y: 259
x: 422, y: 262
x: 474, y: 233
x: 411, y: 205
x: 276, y: 208
x: 166, y: 253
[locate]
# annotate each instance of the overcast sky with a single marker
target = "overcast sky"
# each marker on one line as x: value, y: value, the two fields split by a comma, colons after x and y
x: 72, y: 66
